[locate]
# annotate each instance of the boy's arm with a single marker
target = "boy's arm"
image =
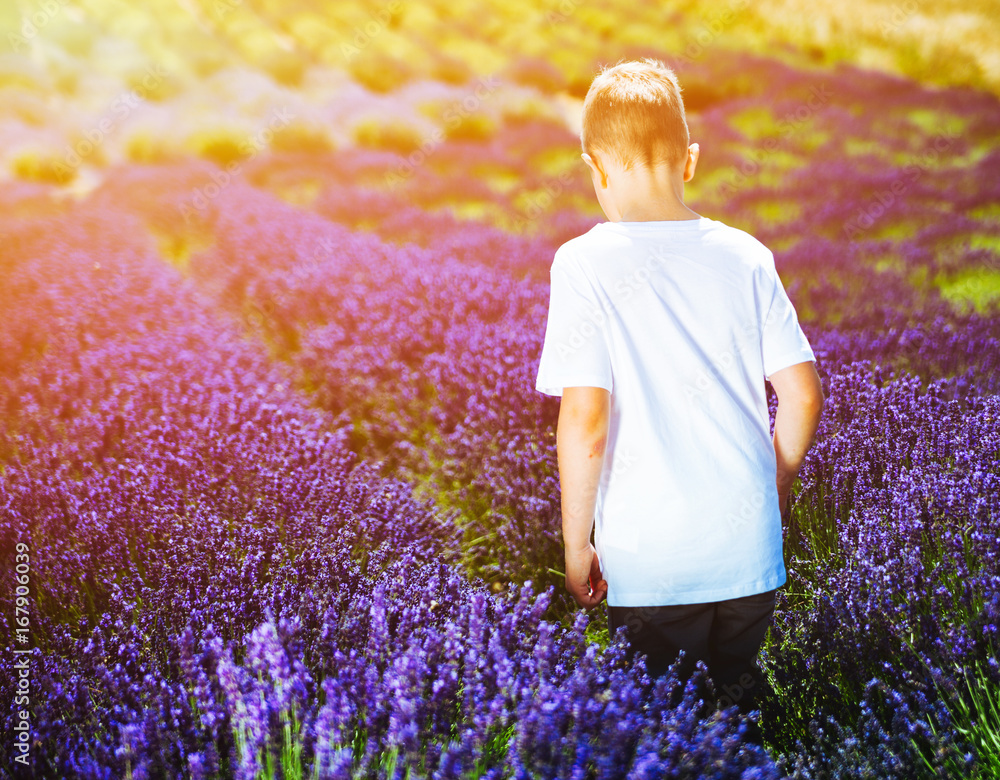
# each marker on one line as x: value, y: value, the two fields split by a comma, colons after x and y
x: 581, y: 438
x: 800, y: 403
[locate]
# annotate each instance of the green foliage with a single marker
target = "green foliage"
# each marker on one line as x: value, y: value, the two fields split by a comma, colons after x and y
x: 221, y: 146
x: 379, y: 72
x: 394, y: 136
x: 21, y: 73
x: 25, y: 105
x: 42, y: 166
x: 286, y: 68
x: 299, y: 136
x: 978, y: 288
x: 975, y: 714
x: 450, y: 70
x: 146, y: 147
x: 470, y: 127
x: 536, y: 72
x: 152, y: 86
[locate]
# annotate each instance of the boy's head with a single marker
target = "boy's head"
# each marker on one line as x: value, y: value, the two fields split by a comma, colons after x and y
x: 634, y: 114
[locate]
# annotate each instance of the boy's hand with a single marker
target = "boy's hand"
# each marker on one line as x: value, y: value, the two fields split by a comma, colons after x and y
x: 800, y: 403
x: 583, y: 577
x: 783, y: 490
x: 581, y: 438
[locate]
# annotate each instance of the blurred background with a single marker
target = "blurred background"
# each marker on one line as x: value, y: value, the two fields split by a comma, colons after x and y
x: 273, y: 285
x: 87, y: 84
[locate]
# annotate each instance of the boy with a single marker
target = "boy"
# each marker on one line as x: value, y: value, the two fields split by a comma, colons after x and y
x: 662, y: 327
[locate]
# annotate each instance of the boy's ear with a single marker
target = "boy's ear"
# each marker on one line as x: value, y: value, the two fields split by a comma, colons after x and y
x: 596, y: 168
x: 692, y: 161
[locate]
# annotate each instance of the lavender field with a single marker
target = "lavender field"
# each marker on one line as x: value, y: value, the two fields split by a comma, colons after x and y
x: 277, y: 495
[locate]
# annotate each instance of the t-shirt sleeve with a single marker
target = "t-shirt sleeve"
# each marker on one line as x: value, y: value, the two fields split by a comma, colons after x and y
x: 575, y: 349
x: 783, y: 343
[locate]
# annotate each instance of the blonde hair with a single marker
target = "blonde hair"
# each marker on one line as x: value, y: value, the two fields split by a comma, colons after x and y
x: 634, y: 112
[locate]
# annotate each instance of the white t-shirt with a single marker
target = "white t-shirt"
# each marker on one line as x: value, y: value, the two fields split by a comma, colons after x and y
x: 681, y: 321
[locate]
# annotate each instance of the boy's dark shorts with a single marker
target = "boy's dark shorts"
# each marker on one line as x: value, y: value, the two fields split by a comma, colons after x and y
x: 726, y: 635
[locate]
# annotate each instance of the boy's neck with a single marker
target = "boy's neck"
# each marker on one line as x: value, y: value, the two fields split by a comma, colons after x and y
x: 648, y: 195
x: 644, y: 213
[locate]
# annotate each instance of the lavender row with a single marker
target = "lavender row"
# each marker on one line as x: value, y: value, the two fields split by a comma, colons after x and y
x: 156, y: 464
x: 519, y: 475
x: 449, y: 347
x: 220, y: 586
x: 888, y: 320
x: 895, y: 585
